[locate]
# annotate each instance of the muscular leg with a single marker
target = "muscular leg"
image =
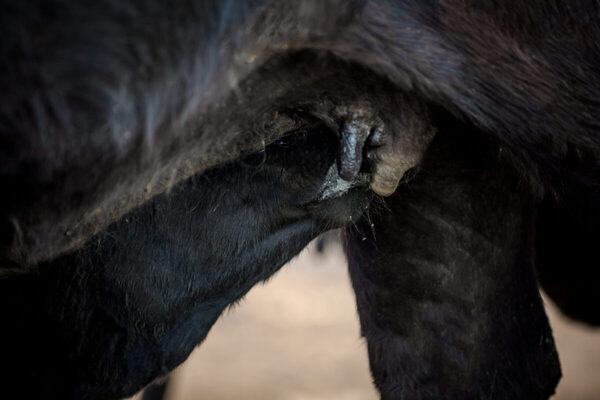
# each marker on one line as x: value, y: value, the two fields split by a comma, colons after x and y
x: 444, y: 282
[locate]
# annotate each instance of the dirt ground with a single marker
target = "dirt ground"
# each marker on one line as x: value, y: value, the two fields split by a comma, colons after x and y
x: 297, y: 337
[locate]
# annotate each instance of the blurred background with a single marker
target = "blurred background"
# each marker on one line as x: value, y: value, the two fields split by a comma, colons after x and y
x: 297, y: 337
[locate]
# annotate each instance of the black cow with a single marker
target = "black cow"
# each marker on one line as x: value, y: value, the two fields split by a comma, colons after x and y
x: 109, y: 108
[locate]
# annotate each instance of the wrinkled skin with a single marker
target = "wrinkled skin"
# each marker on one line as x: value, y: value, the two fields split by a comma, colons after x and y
x: 107, y: 105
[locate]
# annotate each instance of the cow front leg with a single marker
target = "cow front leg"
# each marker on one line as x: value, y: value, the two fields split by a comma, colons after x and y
x: 444, y: 282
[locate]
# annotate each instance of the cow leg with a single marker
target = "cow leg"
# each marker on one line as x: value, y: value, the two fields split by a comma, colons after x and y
x: 444, y: 281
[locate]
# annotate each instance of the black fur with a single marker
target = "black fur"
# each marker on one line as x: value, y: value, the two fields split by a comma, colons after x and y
x: 132, y: 303
x: 466, y: 320
x: 106, y: 105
